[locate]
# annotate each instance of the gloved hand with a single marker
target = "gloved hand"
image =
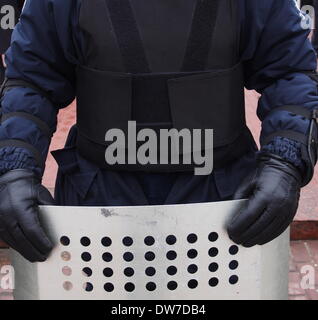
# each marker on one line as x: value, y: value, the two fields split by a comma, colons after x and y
x: 20, y: 195
x: 273, y: 192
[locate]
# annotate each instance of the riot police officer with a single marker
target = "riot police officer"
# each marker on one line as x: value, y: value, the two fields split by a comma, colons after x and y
x: 164, y: 64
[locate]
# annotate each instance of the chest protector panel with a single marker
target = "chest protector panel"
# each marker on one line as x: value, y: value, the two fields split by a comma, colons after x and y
x: 163, y: 64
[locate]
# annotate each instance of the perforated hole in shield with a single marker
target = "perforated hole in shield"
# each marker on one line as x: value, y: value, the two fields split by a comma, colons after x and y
x: 129, y: 287
x: 129, y: 272
x: 171, y: 255
x: 106, y: 242
x: 66, y: 256
x: 128, y: 256
x: 149, y: 241
x: 150, y: 271
x: 67, y: 285
x: 192, y: 284
x: 85, y: 241
x: 88, y: 286
x: 233, y: 250
x: 86, y: 256
x: 107, y: 256
x: 109, y: 287
x: 172, y: 285
x: 151, y: 286
x: 172, y: 270
x: 87, y: 272
x: 192, y: 268
x: 67, y: 271
x: 108, y: 272
x: 65, y: 241
x: 128, y: 241
x: 149, y: 263
x: 150, y: 256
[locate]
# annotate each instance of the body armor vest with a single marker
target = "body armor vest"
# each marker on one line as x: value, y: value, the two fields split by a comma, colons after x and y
x: 163, y: 64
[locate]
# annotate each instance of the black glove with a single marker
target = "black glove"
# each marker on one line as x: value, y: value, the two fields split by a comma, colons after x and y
x: 273, y: 191
x: 20, y: 195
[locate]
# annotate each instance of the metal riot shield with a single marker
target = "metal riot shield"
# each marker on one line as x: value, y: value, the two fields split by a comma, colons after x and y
x: 155, y: 252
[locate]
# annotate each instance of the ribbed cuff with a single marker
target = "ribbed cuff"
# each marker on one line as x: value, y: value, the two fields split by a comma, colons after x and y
x: 287, y: 149
x: 17, y: 158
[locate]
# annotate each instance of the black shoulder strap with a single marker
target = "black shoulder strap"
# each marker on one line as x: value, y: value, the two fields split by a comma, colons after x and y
x: 289, y: 134
x: 9, y: 84
x: 199, y: 43
x: 295, y: 109
x: 131, y: 46
x: 15, y: 83
x: 40, y: 123
x: 128, y: 36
